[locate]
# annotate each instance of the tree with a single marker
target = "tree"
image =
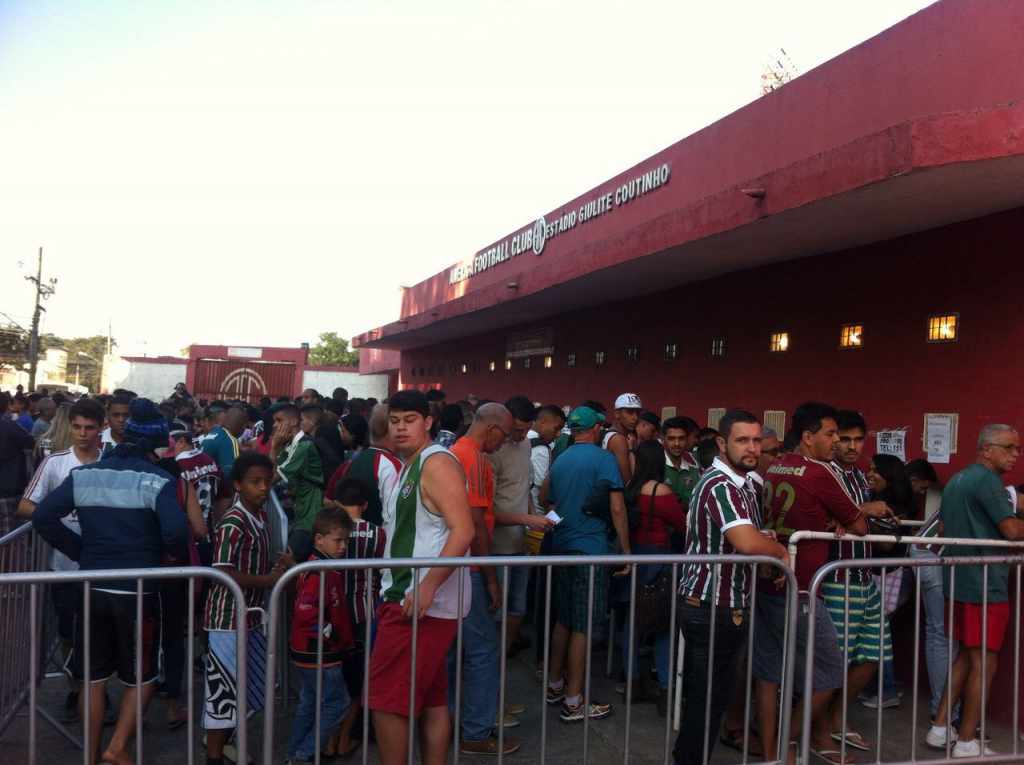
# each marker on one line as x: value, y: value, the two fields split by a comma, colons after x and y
x: 332, y: 351
x: 89, y: 365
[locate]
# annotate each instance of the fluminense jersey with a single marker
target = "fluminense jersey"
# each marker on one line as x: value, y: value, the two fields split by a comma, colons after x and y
x: 200, y: 470
x: 856, y: 484
x: 414, y: 531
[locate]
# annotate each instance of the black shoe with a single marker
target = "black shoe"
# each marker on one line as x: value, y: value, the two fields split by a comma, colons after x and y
x: 662, y: 701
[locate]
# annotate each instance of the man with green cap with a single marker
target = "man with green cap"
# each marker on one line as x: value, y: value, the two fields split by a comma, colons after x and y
x: 585, y: 487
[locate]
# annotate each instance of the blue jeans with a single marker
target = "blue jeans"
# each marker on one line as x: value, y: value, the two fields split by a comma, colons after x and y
x: 303, y: 741
x: 936, y: 639
x: 480, y: 666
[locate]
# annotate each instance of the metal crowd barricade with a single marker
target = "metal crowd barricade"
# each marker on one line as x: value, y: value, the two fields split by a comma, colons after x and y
x: 36, y: 581
x: 1002, y: 555
x: 278, y: 602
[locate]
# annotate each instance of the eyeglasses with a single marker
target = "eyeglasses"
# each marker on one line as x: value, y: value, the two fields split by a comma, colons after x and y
x: 1008, y: 447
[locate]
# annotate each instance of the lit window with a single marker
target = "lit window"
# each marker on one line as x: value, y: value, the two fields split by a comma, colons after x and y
x: 508, y: 365
x: 671, y: 351
x: 492, y: 366
x: 718, y: 346
x: 413, y: 371
x: 570, y: 360
x: 599, y: 357
x: 943, y: 328
x: 465, y: 368
x: 780, y: 342
x: 633, y: 353
x: 852, y: 336
x: 526, y: 362
x: 549, y: 361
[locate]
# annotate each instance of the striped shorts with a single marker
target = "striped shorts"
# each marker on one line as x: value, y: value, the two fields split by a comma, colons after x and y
x: 865, y: 616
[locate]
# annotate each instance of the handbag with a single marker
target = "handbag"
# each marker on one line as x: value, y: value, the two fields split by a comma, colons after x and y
x: 654, y: 599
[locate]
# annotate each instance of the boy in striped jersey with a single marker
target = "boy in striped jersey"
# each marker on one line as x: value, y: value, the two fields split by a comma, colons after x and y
x: 242, y: 551
x: 720, y: 522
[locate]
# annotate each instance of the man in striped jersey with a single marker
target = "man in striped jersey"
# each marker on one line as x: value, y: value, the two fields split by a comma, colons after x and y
x: 720, y: 522
x: 426, y: 515
x: 861, y: 594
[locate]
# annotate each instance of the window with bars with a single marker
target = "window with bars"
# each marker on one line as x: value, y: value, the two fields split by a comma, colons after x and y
x: 570, y: 360
x: 779, y: 342
x: 718, y: 347
x: 599, y: 358
x: 508, y: 365
x: 851, y: 336
x: 715, y: 415
x: 776, y: 420
x: 492, y: 366
x: 671, y: 351
x: 549, y: 361
x: 464, y: 369
x: 943, y: 328
x: 633, y: 353
x: 526, y: 362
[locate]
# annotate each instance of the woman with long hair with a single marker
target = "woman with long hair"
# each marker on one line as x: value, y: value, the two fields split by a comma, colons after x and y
x: 657, y: 512
x: 889, y: 482
x: 57, y: 437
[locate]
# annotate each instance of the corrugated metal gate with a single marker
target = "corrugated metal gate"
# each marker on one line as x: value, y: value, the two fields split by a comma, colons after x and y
x: 246, y: 380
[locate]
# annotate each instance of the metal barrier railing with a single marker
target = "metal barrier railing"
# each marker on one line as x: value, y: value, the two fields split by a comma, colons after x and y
x: 885, y: 565
x: 277, y: 612
x: 94, y: 579
x: 21, y: 551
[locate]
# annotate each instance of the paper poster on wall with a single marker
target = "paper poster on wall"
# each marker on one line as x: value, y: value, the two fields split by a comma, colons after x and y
x: 938, y: 438
x: 892, y: 442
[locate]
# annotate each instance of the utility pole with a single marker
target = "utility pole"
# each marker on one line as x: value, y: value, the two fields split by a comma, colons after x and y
x: 43, y: 291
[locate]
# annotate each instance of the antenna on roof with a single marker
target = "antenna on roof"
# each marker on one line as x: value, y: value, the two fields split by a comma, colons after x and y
x: 777, y: 71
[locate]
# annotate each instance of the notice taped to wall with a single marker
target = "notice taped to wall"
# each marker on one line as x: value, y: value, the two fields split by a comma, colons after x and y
x: 892, y: 442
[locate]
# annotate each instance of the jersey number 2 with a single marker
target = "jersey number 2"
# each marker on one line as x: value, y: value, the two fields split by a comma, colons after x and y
x: 786, y: 494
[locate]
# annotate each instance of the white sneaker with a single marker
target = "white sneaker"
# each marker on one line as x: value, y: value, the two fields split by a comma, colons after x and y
x: 971, y: 749
x: 937, y: 736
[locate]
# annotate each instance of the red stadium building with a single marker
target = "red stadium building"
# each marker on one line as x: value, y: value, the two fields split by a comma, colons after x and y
x: 851, y: 237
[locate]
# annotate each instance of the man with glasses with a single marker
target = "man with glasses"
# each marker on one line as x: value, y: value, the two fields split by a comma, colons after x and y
x: 492, y: 425
x: 975, y: 506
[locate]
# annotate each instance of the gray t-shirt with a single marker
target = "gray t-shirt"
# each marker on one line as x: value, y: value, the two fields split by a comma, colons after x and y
x: 511, y: 465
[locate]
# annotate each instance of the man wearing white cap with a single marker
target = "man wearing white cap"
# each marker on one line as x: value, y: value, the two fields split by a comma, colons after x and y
x: 621, y: 439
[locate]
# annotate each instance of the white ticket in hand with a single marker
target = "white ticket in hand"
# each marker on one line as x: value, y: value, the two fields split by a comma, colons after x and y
x: 554, y: 517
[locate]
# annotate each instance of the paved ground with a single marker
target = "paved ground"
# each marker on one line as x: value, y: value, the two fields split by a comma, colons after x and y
x: 565, y: 744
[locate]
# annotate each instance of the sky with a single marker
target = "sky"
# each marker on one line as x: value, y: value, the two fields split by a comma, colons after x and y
x: 256, y: 173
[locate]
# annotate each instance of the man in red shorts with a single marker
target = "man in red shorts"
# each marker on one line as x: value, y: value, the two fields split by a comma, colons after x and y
x: 426, y: 515
x: 975, y: 505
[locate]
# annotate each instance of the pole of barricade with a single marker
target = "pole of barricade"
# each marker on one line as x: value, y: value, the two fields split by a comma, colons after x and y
x: 138, y: 670
x: 788, y: 666
x: 586, y: 676
x: 846, y: 660
x: 1016, y: 663
x: 32, y: 670
x: 749, y: 682
x: 672, y: 660
x: 412, y: 664
x: 881, y: 668
x: 546, y: 660
x: 85, y: 693
x: 949, y: 662
x: 917, y: 656
x: 189, y: 669
x: 367, y: 645
x: 629, y: 661
x: 501, y: 664
x: 319, y: 698
x: 457, y: 724
x: 984, y: 651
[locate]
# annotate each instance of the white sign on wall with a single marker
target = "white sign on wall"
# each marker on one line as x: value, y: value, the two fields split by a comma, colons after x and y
x: 892, y: 442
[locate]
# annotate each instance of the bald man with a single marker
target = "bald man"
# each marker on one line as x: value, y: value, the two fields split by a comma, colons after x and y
x: 221, y: 440
x: 491, y: 427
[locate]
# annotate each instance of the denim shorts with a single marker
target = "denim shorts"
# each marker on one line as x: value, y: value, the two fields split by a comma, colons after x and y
x: 769, y: 628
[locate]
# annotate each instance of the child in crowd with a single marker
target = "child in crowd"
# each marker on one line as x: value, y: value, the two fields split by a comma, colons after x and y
x: 361, y: 587
x: 312, y: 633
x: 242, y: 551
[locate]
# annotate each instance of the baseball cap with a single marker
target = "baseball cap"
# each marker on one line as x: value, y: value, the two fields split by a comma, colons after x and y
x: 652, y: 418
x: 584, y: 418
x: 628, y: 401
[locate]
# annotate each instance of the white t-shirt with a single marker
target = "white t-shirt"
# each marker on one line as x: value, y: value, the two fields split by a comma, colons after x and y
x: 540, y: 464
x: 51, y: 473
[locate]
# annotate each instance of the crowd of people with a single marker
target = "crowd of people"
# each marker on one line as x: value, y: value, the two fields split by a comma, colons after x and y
x: 122, y: 482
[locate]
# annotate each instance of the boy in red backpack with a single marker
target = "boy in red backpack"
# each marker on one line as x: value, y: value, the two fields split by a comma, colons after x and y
x: 331, y: 530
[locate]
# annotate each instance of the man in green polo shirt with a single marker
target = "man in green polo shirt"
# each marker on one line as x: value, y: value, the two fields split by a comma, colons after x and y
x: 681, y: 470
x: 299, y: 468
x: 975, y: 505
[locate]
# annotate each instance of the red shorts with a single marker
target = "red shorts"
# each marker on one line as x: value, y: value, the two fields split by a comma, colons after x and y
x: 392, y: 653
x: 967, y: 622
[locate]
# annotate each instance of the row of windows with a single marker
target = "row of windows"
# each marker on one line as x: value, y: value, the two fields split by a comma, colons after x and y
x: 942, y: 328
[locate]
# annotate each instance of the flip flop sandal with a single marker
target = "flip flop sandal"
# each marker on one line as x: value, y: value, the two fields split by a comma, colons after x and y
x: 831, y: 756
x: 734, y: 740
x: 853, y: 740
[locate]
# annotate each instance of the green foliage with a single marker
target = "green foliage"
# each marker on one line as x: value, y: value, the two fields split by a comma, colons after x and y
x: 332, y: 351
x: 89, y: 366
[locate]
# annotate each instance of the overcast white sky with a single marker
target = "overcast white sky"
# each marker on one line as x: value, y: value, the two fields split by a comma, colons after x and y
x: 256, y: 173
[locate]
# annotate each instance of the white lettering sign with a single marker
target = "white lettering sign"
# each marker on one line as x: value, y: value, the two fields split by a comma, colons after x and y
x: 938, y: 437
x: 892, y: 442
x: 534, y: 237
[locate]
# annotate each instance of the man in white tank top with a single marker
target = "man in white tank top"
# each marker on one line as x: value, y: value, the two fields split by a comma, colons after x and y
x: 426, y: 515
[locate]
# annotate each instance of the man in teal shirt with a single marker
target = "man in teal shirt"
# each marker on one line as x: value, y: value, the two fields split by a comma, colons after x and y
x: 975, y: 505
x: 221, y: 442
